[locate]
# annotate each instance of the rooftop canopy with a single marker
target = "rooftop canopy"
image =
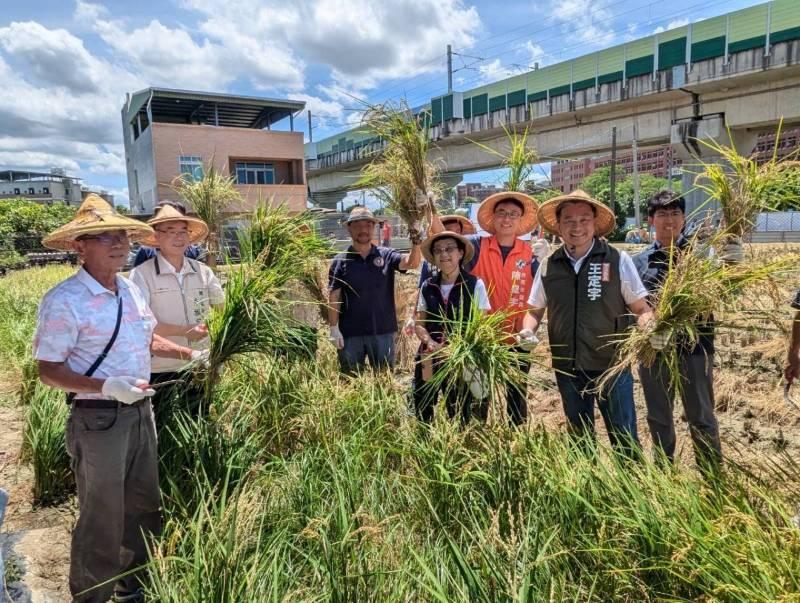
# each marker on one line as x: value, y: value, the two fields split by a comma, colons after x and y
x: 23, y: 175
x: 211, y: 108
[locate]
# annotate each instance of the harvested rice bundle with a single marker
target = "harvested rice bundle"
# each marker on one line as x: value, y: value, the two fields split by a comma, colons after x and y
x: 402, y: 175
x: 476, y: 351
x: 696, y: 285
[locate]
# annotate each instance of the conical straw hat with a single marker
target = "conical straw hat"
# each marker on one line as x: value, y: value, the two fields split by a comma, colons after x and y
x: 486, y: 211
x: 198, y: 230
x: 95, y: 215
x: 604, y: 217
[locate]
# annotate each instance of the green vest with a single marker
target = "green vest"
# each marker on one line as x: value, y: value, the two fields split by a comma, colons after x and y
x: 586, y: 313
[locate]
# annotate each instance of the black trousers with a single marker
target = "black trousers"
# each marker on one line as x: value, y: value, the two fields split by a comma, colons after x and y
x: 458, y: 399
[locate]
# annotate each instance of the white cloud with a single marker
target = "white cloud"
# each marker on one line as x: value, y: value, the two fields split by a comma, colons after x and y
x: 671, y: 25
x: 362, y: 43
x: 589, y: 21
x: 493, y: 71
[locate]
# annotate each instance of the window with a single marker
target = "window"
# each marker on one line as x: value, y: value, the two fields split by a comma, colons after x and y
x: 16, y: 191
x: 192, y: 165
x: 255, y: 173
x: 45, y: 190
x: 31, y: 191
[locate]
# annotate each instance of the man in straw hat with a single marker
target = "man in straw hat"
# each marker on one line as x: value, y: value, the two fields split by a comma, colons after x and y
x: 362, y: 315
x: 180, y: 292
x: 193, y: 252
x: 94, y: 338
x: 507, y: 264
x: 444, y: 299
x: 588, y: 289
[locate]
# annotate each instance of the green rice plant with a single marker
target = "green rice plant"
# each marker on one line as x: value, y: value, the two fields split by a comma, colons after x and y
x: 744, y: 186
x: 254, y: 319
x: 520, y: 160
x: 211, y: 198
x: 402, y: 175
x: 43, y: 446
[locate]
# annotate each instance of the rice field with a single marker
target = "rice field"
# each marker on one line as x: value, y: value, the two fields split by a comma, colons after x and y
x: 303, y: 485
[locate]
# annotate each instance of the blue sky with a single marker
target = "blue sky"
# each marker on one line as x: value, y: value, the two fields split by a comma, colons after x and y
x: 66, y: 66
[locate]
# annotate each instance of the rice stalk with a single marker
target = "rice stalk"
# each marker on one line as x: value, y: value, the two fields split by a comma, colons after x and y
x: 520, y: 160
x: 209, y: 197
x: 744, y: 187
x: 402, y: 175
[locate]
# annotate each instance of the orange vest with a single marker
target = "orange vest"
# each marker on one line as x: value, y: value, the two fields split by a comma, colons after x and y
x: 509, y: 284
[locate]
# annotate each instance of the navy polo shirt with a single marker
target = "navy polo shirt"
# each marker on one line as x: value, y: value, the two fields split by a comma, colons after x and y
x: 367, y: 286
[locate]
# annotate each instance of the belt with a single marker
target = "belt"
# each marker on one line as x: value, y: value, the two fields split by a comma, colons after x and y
x: 95, y: 404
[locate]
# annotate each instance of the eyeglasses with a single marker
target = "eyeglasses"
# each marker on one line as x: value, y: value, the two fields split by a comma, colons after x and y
x: 173, y: 233
x: 108, y: 239
x: 511, y: 215
x: 440, y: 250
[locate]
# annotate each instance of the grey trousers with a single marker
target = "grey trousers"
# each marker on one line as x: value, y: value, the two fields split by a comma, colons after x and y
x: 379, y: 349
x: 698, y: 406
x: 114, y: 458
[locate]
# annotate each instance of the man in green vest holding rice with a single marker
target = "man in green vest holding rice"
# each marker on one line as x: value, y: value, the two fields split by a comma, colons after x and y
x: 590, y: 290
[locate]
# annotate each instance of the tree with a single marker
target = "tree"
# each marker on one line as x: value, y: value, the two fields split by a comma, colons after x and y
x: 23, y: 223
x: 598, y: 185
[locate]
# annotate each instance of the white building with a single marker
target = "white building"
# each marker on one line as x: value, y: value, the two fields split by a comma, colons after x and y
x: 45, y: 187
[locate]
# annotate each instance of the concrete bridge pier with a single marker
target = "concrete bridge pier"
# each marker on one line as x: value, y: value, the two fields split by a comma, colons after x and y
x: 328, y: 199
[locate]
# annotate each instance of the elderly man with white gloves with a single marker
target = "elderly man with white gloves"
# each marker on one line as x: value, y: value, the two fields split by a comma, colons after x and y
x: 94, y: 339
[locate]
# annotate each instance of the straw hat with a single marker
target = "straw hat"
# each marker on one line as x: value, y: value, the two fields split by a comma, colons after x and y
x: 427, y: 245
x: 467, y: 227
x: 361, y: 213
x: 604, y: 217
x: 95, y: 215
x: 198, y: 230
x: 526, y: 223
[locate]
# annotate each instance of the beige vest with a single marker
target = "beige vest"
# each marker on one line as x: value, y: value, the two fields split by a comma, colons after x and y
x: 173, y: 303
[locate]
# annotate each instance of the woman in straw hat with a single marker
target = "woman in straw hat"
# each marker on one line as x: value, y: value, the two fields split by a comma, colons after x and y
x: 444, y: 299
x: 589, y: 290
x: 181, y: 292
x: 507, y: 264
x: 94, y: 339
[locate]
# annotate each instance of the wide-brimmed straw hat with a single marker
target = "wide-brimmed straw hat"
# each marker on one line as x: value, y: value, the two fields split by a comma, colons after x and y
x: 604, y: 217
x: 526, y: 223
x: 427, y: 245
x: 361, y: 213
x: 198, y: 230
x: 95, y: 215
x: 467, y: 227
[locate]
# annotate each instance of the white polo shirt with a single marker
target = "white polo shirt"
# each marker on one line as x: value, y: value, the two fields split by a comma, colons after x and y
x: 75, y: 323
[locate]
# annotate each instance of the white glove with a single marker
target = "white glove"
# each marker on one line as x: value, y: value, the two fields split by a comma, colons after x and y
x: 408, y: 328
x: 732, y: 252
x: 526, y: 339
x: 541, y: 249
x: 200, y: 357
x: 658, y: 341
x: 126, y: 389
x: 476, y: 379
x: 336, y: 337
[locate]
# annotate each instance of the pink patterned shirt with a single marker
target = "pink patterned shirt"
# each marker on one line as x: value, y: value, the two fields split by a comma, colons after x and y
x: 76, y: 321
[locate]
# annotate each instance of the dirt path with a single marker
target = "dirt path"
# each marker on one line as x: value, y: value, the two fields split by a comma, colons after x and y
x: 35, y: 541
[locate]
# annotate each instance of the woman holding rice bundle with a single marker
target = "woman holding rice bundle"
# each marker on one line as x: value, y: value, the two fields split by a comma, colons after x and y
x: 446, y: 299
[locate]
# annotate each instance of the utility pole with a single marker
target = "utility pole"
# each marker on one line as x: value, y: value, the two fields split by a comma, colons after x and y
x: 310, y: 129
x: 449, y: 69
x: 636, y: 212
x: 669, y: 169
x: 613, y: 193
